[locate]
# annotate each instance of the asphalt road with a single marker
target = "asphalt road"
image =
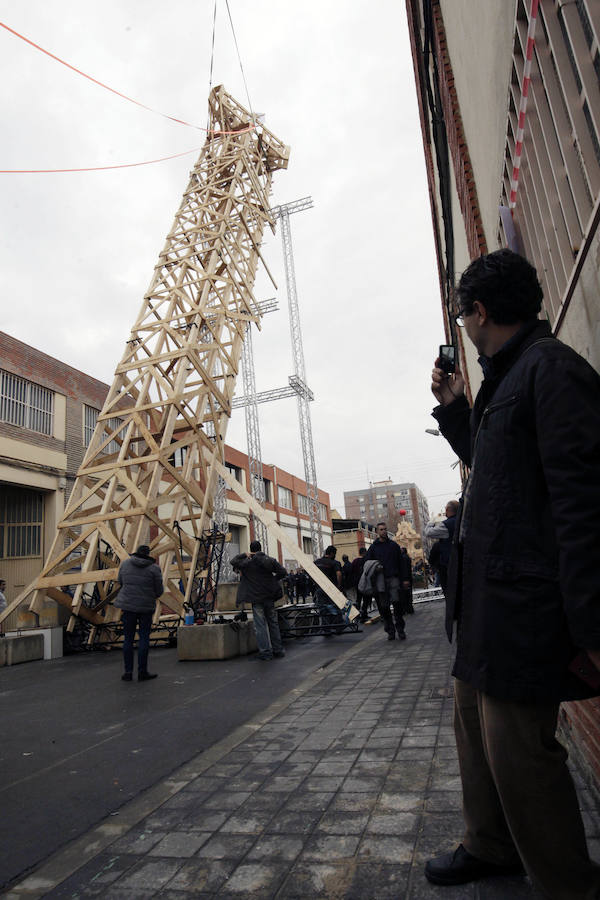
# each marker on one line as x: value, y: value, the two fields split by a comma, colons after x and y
x: 77, y: 742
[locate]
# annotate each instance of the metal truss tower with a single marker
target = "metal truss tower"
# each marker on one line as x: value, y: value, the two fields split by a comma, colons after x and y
x: 304, y: 395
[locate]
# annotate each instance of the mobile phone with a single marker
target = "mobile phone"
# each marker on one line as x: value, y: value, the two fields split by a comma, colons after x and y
x: 447, y: 358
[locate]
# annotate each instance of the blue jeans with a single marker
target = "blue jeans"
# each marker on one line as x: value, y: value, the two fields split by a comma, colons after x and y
x: 331, y: 616
x: 266, y: 625
x: 144, y: 622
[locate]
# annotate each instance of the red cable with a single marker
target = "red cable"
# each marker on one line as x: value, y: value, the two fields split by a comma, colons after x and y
x: 119, y: 94
x: 147, y: 162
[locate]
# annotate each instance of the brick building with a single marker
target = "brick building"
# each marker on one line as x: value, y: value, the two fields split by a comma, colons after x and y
x: 502, y: 175
x: 383, y: 501
x: 48, y: 412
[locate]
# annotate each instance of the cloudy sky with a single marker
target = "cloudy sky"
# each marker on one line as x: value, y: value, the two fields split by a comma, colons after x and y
x: 335, y: 81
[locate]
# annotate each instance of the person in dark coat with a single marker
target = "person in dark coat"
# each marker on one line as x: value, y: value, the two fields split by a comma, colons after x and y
x: 523, y: 582
x: 406, y: 593
x: 363, y: 601
x: 331, y: 617
x: 260, y: 586
x: 141, y: 585
x: 443, y: 533
x: 390, y: 583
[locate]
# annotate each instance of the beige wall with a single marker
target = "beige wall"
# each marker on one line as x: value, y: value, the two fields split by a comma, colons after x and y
x: 480, y: 40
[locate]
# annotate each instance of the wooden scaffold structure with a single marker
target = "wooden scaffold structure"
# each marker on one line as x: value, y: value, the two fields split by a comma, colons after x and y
x: 150, y: 472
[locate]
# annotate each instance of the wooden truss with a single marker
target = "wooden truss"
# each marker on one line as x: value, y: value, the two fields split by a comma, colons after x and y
x: 150, y: 471
x: 148, y: 475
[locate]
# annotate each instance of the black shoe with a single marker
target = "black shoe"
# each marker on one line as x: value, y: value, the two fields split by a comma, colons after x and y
x: 280, y: 654
x: 402, y: 636
x: 460, y: 867
x: 262, y: 657
x: 146, y: 676
x: 126, y: 676
x: 391, y: 637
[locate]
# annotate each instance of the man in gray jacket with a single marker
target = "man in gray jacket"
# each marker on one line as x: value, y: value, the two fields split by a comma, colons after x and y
x: 259, y: 585
x: 141, y: 585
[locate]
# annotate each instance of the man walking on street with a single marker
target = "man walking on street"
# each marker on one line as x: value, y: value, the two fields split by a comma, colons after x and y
x: 395, y: 577
x: 141, y: 585
x: 522, y: 582
x: 259, y: 585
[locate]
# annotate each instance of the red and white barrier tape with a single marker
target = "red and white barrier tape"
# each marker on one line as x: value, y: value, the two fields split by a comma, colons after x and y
x: 523, y: 104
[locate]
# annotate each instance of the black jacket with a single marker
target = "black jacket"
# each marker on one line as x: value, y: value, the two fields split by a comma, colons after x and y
x: 260, y: 576
x: 389, y: 554
x: 523, y: 580
x: 141, y: 583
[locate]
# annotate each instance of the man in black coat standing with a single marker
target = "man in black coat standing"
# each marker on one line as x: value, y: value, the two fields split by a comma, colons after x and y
x: 391, y: 582
x: 141, y: 585
x: 523, y: 582
x: 259, y: 585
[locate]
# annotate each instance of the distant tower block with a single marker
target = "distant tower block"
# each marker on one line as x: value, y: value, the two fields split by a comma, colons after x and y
x: 149, y: 474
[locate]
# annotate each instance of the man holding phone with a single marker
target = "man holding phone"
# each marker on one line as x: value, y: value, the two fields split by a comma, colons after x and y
x: 522, y: 581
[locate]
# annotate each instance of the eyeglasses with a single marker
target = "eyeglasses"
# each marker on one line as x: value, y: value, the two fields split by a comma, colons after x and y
x: 459, y: 318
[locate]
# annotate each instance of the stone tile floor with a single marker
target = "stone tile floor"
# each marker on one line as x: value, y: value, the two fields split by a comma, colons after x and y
x: 342, y: 790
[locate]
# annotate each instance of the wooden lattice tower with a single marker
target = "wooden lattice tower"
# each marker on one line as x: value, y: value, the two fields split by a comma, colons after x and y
x: 149, y: 473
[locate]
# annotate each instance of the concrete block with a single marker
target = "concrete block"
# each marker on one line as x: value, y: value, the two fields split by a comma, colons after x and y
x: 247, y: 638
x: 207, y: 642
x: 53, y: 640
x: 24, y: 648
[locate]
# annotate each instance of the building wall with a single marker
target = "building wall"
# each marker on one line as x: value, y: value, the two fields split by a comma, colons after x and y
x: 383, y: 502
x: 558, y: 204
x: 49, y: 463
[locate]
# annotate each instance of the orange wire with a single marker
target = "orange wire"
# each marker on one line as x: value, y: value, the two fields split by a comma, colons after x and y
x: 119, y: 94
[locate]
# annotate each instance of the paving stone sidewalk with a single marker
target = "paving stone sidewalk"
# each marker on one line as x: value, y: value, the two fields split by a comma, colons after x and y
x: 341, y: 790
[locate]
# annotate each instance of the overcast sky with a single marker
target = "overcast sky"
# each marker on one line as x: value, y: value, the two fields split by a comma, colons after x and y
x: 335, y: 81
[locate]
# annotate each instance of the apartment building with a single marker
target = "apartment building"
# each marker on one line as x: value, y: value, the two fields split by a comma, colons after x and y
x: 48, y: 412
x: 383, y: 501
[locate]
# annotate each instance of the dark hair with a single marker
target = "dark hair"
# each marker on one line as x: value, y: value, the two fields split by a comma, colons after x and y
x: 142, y: 550
x: 381, y: 523
x: 331, y: 550
x: 345, y: 556
x: 362, y: 551
x: 255, y: 546
x: 505, y: 283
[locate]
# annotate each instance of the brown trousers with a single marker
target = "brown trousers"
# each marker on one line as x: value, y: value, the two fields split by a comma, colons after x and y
x: 519, y: 800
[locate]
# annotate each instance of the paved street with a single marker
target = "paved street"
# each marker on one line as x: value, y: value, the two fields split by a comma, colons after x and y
x: 341, y: 788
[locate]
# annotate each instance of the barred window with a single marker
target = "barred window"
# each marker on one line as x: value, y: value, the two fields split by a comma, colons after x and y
x: 90, y: 420
x: 303, y: 504
x: 21, y: 519
x: 25, y: 404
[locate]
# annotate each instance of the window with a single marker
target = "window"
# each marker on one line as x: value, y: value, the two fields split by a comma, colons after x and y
x: 178, y: 458
x: 90, y: 420
x: 560, y: 169
x: 21, y: 518
x: 284, y: 496
x: 323, y: 512
x: 307, y: 546
x: 268, y: 490
x: 25, y: 404
x: 235, y: 471
x: 303, y: 504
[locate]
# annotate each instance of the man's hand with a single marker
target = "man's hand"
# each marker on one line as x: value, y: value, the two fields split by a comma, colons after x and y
x: 446, y: 388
